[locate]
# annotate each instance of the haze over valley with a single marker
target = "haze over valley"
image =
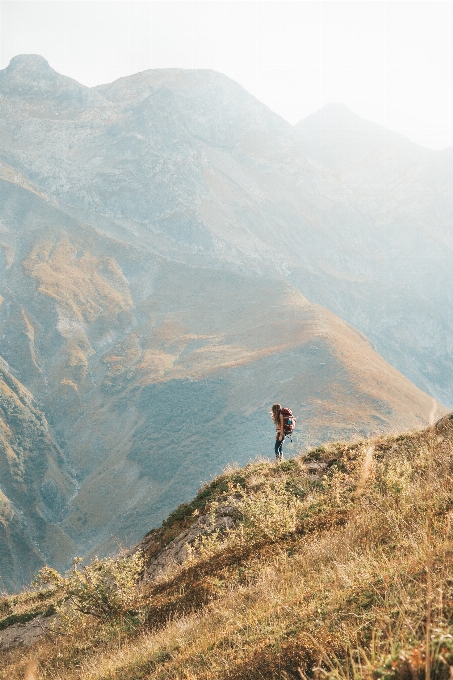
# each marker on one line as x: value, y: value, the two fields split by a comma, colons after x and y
x: 175, y: 257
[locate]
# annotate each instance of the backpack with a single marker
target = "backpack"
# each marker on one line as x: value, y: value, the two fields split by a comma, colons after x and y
x: 289, y: 420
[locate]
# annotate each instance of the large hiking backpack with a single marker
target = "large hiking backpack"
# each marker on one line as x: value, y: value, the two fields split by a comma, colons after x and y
x: 289, y: 420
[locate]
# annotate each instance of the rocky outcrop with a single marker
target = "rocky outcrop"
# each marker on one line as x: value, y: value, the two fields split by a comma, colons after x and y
x: 35, y: 488
x: 177, y: 552
x: 25, y: 634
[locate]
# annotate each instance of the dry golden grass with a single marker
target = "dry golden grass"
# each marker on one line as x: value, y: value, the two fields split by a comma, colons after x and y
x: 348, y: 576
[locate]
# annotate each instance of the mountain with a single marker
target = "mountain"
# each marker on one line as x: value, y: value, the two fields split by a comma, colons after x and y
x: 403, y: 299
x: 189, y: 165
x: 338, y: 139
x: 35, y: 488
x: 164, y: 242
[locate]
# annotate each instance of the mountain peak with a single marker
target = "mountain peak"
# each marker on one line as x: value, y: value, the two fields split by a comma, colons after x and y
x: 338, y: 116
x: 29, y: 62
x: 337, y: 107
x: 28, y: 74
x: 30, y: 78
x: 337, y: 137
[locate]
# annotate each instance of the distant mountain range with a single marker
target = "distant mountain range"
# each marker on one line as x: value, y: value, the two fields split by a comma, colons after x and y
x: 175, y: 257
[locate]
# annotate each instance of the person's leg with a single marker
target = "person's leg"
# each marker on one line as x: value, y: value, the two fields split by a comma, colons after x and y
x: 278, y: 448
x: 281, y: 447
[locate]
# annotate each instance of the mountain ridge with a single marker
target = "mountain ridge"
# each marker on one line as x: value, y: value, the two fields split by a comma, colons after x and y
x: 182, y: 249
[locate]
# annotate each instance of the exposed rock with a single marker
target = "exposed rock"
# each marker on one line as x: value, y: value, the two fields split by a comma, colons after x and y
x: 445, y: 424
x: 25, y: 634
x: 35, y: 487
x: 176, y: 552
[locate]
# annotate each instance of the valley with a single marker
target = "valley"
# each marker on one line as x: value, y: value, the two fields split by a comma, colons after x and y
x: 175, y: 258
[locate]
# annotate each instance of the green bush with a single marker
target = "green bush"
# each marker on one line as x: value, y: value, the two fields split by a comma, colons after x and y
x: 270, y: 513
x: 105, y: 589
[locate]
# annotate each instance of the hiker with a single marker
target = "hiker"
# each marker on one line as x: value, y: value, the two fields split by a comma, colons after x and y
x: 284, y: 422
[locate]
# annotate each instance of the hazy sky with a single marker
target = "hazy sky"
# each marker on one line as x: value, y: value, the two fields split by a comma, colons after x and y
x: 390, y: 62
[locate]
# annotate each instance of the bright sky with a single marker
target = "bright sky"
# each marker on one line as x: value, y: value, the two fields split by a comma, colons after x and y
x: 390, y: 61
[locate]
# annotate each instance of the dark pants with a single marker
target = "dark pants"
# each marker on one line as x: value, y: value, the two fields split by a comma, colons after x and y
x: 278, y: 446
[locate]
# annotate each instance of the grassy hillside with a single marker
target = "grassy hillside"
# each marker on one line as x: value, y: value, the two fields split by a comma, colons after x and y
x: 335, y: 564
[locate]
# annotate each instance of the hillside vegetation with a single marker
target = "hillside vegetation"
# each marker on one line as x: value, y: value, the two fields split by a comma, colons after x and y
x: 336, y: 563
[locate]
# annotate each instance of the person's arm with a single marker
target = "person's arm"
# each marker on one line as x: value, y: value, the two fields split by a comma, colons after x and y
x: 280, y: 433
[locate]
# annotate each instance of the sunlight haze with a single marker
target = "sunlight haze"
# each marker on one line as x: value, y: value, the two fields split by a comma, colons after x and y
x: 390, y: 62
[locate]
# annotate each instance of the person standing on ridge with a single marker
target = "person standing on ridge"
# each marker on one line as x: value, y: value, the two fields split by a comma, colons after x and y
x: 284, y: 422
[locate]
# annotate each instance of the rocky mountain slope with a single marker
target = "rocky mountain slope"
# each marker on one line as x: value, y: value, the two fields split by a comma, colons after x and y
x: 191, y: 165
x: 403, y: 301
x: 35, y: 488
x: 155, y: 374
x: 162, y: 241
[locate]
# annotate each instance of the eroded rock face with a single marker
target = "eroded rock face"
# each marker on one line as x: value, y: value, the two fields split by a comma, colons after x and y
x: 35, y: 488
x: 177, y: 552
x: 159, y: 237
x: 25, y: 634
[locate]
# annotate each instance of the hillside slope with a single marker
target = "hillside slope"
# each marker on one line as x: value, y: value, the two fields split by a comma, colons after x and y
x: 404, y: 194
x: 335, y: 563
x: 155, y: 374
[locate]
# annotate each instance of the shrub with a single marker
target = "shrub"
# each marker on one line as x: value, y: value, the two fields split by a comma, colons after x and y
x: 105, y: 589
x: 270, y: 512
